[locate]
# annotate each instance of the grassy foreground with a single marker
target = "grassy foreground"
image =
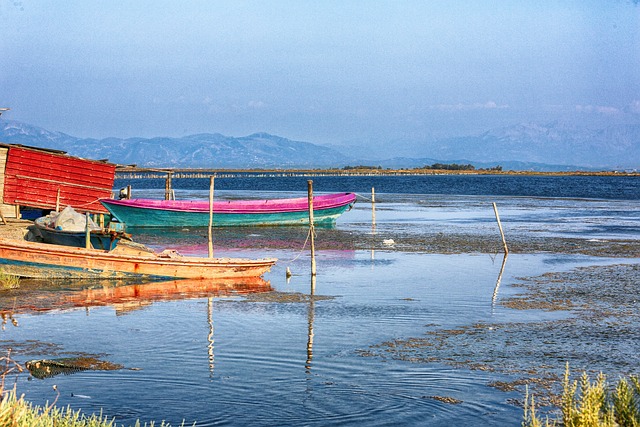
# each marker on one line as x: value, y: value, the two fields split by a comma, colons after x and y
x: 16, y: 412
x: 592, y: 404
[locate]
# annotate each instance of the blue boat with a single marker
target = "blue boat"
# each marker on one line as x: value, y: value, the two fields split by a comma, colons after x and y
x: 100, y: 239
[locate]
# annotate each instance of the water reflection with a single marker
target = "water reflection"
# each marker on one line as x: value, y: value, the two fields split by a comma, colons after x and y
x: 42, y: 296
x: 497, y: 287
x: 310, y: 319
x: 210, y: 339
x: 193, y: 241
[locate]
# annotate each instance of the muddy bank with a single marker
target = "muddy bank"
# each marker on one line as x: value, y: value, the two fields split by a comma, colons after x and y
x: 599, y: 331
x: 363, y: 237
x: 360, y: 237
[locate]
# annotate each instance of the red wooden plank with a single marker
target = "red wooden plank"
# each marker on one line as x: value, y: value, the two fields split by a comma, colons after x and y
x: 33, y: 178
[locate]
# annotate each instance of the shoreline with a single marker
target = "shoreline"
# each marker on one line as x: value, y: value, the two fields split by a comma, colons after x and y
x: 137, y: 172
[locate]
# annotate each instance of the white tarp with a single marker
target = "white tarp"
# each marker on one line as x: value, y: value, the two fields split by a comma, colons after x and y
x: 70, y: 220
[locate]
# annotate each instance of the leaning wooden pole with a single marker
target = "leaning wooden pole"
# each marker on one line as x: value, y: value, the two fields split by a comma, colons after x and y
x: 312, y: 231
x: 504, y: 242
x: 210, y: 239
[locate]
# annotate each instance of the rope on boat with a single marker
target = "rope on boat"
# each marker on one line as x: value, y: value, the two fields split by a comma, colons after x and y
x: 364, y: 197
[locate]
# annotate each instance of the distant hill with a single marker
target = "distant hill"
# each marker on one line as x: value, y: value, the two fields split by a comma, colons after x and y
x: 616, y: 147
x: 259, y: 150
x: 410, y: 162
x: 551, y: 147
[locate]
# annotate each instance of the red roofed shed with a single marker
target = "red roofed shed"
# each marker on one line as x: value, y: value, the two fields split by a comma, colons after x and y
x: 47, y: 179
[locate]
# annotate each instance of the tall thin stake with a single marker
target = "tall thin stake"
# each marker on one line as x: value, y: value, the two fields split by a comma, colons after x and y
x: 167, y: 186
x: 504, y: 242
x: 373, y: 210
x: 211, y: 217
x: 311, y: 228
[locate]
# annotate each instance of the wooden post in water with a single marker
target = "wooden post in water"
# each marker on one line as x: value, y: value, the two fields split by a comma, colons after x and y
x: 167, y: 186
x: 128, y: 191
x: 311, y: 228
x: 504, y: 242
x: 373, y: 210
x: 87, y: 232
x: 211, y: 217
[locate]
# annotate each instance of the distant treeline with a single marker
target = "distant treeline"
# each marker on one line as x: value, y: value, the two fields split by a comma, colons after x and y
x: 435, y: 166
x: 348, y: 168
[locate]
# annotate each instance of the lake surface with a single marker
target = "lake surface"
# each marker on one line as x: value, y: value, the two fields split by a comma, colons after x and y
x: 293, y: 356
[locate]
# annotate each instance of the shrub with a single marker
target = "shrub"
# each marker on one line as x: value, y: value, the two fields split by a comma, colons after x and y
x: 592, y: 404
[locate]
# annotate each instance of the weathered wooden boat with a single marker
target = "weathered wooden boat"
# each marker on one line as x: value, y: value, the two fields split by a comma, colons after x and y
x: 42, y: 260
x: 195, y: 213
x: 101, y: 239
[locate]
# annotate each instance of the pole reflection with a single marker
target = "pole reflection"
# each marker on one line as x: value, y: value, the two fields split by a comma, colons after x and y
x: 310, y: 319
x: 210, y: 339
x: 497, y: 287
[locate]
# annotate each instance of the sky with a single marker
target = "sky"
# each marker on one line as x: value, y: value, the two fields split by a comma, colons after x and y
x: 328, y: 72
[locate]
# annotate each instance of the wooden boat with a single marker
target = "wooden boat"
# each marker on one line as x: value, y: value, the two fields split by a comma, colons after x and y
x: 195, y: 213
x: 42, y: 260
x: 106, y: 240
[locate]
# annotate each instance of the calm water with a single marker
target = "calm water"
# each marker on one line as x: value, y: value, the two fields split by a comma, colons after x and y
x: 227, y: 360
x: 598, y: 187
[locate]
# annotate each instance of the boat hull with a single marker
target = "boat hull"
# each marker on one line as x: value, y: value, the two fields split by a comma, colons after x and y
x: 41, y: 260
x: 233, y: 213
x: 99, y: 240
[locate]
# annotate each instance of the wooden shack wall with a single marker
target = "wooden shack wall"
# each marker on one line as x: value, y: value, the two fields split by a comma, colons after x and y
x: 8, y: 211
x: 34, y: 177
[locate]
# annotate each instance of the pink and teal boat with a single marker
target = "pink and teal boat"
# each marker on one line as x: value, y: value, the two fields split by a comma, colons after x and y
x: 226, y: 213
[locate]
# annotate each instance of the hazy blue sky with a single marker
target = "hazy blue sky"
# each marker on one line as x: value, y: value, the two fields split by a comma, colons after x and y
x: 318, y: 71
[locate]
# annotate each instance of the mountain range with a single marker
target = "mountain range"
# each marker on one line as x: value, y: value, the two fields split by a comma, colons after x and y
x: 551, y: 147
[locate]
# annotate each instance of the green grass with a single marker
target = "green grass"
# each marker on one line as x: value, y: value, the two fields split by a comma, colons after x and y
x: 587, y: 403
x: 16, y: 412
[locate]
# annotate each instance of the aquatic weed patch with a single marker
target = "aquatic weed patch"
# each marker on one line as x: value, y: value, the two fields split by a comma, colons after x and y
x: 602, y: 334
x: 283, y: 297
